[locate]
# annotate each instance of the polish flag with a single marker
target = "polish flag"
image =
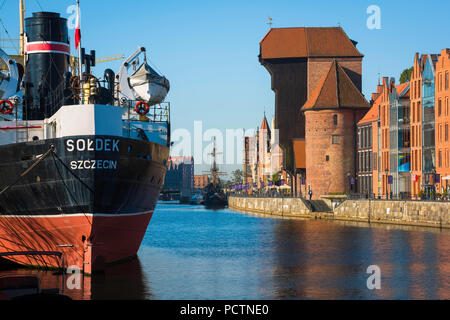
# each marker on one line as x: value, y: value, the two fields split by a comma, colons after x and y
x: 77, y: 30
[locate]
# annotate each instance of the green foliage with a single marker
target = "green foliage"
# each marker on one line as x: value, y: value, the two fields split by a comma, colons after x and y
x: 276, y: 178
x: 421, y: 194
x: 237, y: 176
x: 406, y: 75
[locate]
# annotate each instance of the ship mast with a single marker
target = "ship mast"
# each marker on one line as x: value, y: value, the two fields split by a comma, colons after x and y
x: 214, y: 171
x: 22, y: 12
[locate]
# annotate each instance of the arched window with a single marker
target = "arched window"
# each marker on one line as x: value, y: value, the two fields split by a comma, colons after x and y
x: 335, y: 119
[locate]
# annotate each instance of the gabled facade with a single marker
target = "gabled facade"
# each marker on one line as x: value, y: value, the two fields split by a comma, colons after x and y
x: 416, y: 125
x: 399, y: 141
x: 423, y: 128
x: 442, y: 118
x: 429, y: 124
x: 384, y: 133
x: 368, y: 148
x: 387, y: 87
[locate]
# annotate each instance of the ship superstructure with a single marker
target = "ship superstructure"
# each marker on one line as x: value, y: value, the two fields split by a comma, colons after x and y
x: 82, y: 159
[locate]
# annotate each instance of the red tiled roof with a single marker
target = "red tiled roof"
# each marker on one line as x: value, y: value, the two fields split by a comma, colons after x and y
x: 373, y: 113
x: 335, y: 90
x: 401, y: 87
x: 307, y: 42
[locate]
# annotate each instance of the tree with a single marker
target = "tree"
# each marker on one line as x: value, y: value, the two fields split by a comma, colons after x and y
x: 237, y: 176
x: 276, y: 179
x: 406, y: 75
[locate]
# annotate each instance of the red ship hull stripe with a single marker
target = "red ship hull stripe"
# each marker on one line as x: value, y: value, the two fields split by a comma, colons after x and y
x: 83, y: 240
x: 47, y: 47
x: 13, y: 128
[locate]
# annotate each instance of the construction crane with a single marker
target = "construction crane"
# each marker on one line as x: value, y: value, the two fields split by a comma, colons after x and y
x: 74, y: 61
x: 110, y: 58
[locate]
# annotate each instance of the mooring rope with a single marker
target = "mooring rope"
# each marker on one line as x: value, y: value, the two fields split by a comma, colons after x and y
x: 45, y: 155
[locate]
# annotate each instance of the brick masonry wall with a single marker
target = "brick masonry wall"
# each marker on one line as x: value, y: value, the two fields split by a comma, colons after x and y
x: 329, y: 176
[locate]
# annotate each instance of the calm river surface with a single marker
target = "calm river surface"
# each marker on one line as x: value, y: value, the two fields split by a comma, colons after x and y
x: 193, y: 253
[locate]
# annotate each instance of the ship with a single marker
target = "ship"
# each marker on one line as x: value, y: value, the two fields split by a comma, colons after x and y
x: 82, y: 158
x: 213, y: 195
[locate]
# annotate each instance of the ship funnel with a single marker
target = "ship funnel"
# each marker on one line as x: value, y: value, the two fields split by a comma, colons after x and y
x: 48, y: 53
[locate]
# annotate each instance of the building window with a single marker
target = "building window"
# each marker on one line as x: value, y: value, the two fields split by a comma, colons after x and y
x: 446, y: 158
x: 418, y: 111
x: 375, y: 160
x: 335, y: 119
x: 446, y: 132
x: 446, y: 106
x: 335, y: 139
x: 439, y: 107
x: 359, y: 139
x: 327, y: 158
x: 446, y: 80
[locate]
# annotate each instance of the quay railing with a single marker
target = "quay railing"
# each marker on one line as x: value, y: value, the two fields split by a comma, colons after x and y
x: 351, y: 196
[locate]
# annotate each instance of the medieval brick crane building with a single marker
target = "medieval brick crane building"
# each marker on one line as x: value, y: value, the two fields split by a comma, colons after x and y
x: 307, y: 64
x: 331, y: 114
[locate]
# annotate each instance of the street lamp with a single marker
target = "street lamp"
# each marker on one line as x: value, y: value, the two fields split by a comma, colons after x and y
x: 387, y: 182
x: 349, y: 181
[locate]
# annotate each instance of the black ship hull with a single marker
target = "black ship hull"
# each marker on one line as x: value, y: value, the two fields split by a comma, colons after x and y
x: 215, y: 201
x: 127, y: 178
x: 91, y: 199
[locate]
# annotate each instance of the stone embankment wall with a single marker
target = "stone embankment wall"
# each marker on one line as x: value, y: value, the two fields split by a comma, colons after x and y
x: 281, y: 207
x: 413, y: 213
x: 418, y: 213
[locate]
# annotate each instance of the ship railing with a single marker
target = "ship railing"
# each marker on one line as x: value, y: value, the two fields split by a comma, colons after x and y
x: 349, y: 196
x: 157, y: 113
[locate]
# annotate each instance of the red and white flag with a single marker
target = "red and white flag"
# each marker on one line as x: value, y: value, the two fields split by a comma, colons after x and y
x: 77, y: 29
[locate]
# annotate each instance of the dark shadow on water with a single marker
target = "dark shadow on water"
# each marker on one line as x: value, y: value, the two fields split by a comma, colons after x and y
x: 124, y: 281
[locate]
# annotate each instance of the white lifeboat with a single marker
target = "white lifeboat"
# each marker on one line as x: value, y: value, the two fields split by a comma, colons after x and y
x: 144, y: 83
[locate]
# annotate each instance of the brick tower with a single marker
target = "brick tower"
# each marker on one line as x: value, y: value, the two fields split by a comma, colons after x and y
x: 331, y: 113
x: 296, y: 59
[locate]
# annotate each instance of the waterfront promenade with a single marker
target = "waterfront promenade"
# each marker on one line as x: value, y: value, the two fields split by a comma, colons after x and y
x: 413, y: 213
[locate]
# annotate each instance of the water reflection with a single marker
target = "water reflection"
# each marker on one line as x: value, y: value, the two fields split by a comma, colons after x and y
x: 192, y: 253
x: 125, y: 281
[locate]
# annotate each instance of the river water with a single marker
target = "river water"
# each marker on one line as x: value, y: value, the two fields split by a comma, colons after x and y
x: 193, y: 253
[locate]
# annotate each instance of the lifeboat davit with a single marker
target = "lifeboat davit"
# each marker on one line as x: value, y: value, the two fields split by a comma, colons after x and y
x: 144, y: 83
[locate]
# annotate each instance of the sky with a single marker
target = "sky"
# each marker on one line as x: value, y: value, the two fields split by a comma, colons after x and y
x: 209, y: 49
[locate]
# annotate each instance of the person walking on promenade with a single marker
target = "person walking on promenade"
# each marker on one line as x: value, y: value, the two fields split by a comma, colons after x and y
x: 310, y: 194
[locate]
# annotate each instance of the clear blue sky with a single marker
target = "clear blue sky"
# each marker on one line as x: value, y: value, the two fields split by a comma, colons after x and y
x: 209, y: 49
